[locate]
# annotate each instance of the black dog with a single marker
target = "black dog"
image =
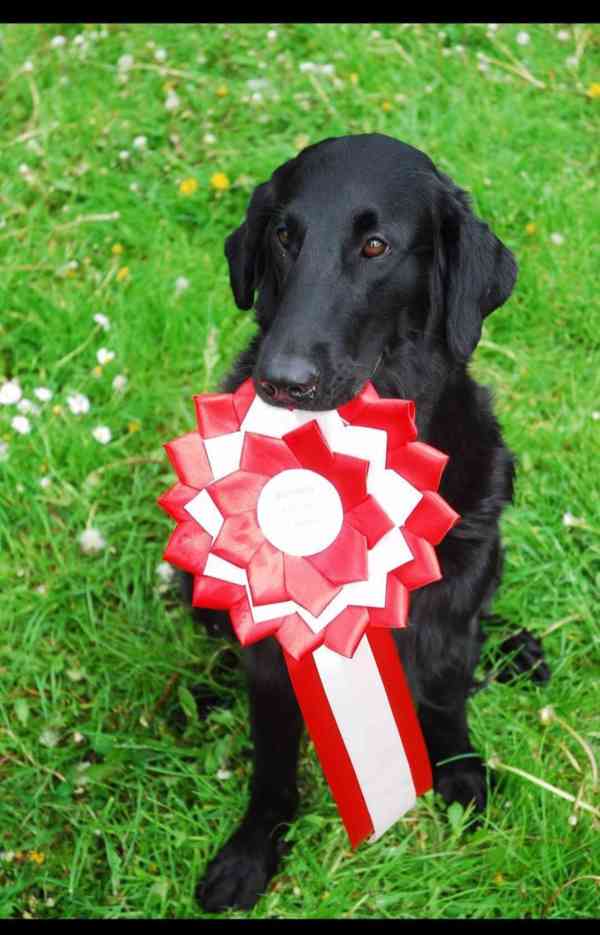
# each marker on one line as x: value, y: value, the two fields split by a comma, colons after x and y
x: 368, y: 263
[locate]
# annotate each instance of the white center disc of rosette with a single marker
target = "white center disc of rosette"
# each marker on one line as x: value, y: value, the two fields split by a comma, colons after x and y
x: 300, y: 512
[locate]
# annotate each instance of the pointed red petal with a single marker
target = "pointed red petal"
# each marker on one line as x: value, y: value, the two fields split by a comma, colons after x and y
x: 345, y: 631
x: 247, y: 630
x: 243, y: 399
x: 239, y: 538
x: 350, y: 411
x: 395, y: 612
x: 297, y: 638
x: 370, y: 520
x: 432, y: 518
x: 215, y: 593
x: 306, y: 585
x: 345, y: 560
x: 174, y: 500
x: 188, y: 547
x: 310, y: 447
x: 266, y: 575
x: 188, y: 456
x: 216, y: 414
x: 265, y: 455
x: 237, y: 492
x: 349, y: 476
x: 394, y: 416
x: 424, y: 568
x: 420, y: 464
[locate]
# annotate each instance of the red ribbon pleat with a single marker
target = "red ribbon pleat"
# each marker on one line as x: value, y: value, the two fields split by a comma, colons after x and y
x: 420, y: 464
x: 335, y: 761
x: 173, y: 501
x: 345, y: 560
x: 188, y: 456
x: 432, y: 518
x: 215, y: 414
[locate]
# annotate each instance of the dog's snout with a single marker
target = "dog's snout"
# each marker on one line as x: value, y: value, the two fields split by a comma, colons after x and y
x: 290, y: 380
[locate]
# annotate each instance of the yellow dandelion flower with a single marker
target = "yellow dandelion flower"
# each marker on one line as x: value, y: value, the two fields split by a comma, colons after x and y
x: 530, y: 228
x: 97, y: 371
x: 222, y: 90
x: 354, y: 78
x: 387, y: 106
x: 220, y: 181
x: 117, y: 249
x: 188, y: 186
x: 594, y: 90
x: 57, y: 410
x: 499, y: 879
x: 37, y: 857
x: 122, y: 274
x: 301, y: 141
x: 134, y: 426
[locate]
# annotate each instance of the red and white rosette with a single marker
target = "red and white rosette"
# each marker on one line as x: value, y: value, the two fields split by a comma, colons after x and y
x: 313, y: 527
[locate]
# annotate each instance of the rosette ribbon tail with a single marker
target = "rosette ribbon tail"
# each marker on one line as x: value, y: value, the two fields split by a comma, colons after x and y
x: 360, y: 717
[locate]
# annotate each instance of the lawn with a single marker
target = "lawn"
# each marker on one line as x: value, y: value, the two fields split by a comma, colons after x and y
x: 127, y: 154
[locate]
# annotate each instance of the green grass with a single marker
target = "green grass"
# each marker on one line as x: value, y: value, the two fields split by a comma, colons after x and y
x: 107, y: 808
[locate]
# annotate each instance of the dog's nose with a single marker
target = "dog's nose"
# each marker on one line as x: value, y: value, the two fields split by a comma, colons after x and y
x: 290, y: 380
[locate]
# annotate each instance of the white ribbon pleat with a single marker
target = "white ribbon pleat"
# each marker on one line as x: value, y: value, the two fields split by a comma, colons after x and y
x: 365, y: 720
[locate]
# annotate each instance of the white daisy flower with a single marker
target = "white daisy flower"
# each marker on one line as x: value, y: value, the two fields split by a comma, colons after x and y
x: 78, y: 403
x: 134, y: 187
x: 125, y: 62
x: 563, y: 35
x: 307, y: 66
x: 119, y: 383
x: 10, y: 393
x: 91, y: 541
x: 139, y: 142
x: 26, y: 406
x: 557, y: 238
x: 102, y: 320
x: 124, y: 155
x: 272, y: 35
x: 49, y: 737
x: 181, y: 284
x: 102, y: 434
x: 104, y: 356
x: 160, y: 55
x: 210, y: 138
x: 57, y: 42
x: 173, y: 101
x: 224, y: 774
x: 45, y: 482
x: 21, y: 424
x: 28, y: 65
x: 523, y: 38
x: 165, y: 572
x: 570, y: 520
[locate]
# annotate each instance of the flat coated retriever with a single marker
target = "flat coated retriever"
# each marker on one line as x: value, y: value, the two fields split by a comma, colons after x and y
x: 367, y: 263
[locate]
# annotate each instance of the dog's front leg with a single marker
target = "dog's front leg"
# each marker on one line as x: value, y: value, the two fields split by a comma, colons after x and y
x: 240, y: 872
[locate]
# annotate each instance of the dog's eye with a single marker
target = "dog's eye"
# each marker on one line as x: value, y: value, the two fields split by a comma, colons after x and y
x: 374, y: 246
x: 283, y: 236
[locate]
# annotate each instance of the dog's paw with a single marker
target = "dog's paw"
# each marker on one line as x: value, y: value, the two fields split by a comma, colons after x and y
x: 525, y: 656
x: 462, y: 781
x: 238, y: 876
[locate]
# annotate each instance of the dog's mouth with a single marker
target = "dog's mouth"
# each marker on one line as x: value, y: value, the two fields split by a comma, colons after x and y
x: 318, y: 396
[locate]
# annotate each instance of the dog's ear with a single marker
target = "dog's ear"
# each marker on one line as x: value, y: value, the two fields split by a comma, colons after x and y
x: 243, y: 248
x: 477, y: 272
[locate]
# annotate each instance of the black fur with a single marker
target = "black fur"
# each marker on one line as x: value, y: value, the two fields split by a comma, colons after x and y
x: 409, y: 320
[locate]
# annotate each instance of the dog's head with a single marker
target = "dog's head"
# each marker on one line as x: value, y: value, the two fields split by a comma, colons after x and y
x: 352, y: 245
